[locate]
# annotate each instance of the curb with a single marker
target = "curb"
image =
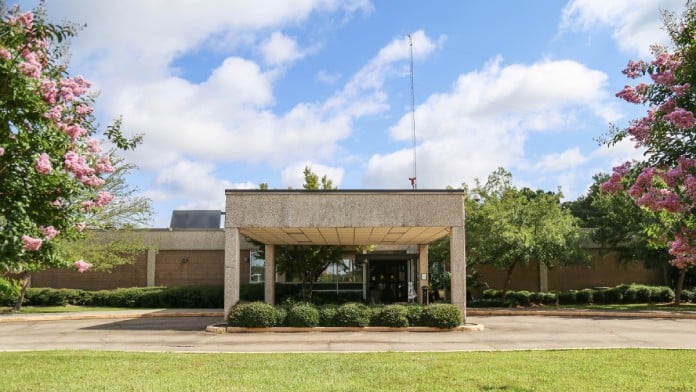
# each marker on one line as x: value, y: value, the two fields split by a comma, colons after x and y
x: 222, y: 328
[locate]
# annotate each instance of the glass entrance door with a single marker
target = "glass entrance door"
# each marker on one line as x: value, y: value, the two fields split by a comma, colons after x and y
x: 387, y: 281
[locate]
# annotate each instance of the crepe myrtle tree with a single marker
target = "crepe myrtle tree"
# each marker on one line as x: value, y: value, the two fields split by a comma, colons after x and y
x: 667, y: 180
x: 51, y: 165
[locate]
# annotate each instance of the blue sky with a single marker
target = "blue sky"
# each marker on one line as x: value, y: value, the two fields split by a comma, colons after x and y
x: 230, y: 94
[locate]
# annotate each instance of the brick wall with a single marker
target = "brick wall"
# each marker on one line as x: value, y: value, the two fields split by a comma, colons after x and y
x: 129, y: 275
x: 604, y: 271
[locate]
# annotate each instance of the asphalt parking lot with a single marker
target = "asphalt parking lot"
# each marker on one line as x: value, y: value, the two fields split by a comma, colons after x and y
x: 187, y: 334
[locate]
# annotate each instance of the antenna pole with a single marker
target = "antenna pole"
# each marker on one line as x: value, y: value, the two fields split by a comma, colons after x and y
x: 413, y: 116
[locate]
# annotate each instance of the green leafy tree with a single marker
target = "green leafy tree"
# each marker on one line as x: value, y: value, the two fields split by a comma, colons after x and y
x: 307, y: 262
x: 508, y: 227
x: 51, y: 168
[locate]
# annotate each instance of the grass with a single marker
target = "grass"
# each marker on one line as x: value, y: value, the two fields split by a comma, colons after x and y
x: 573, y: 370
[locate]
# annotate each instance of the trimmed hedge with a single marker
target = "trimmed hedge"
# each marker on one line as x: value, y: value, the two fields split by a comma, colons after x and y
x: 254, y: 315
x: 391, y: 316
x: 625, y: 293
x: 441, y: 316
x: 353, y: 315
x: 302, y: 315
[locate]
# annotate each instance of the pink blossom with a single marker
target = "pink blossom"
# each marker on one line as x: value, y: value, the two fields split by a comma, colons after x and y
x: 57, y: 203
x: 75, y: 132
x: 5, y: 54
x: 31, y: 243
x: 30, y: 69
x: 668, y: 106
x: 104, y: 165
x: 684, y: 254
x: 55, y: 113
x: 93, y: 146
x: 80, y: 226
x: 630, y: 94
x: 2, y: 151
x: 103, y: 198
x: 27, y: 20
x: 83, y: 109
x: 86, y: 205
x: 43, y: 164
x: 49, y: 232
x: 690, y: 185
x: 665, y: 78
x: 635, y: 69
x: 642, y: 183
x: 49, y: 91
x: 77, y: 164
x: 680, y: 118
x: 82, y: 266
x: 613, y: 184
x: 92, y: 181
x: 680, y: 89
x: 640, y: 129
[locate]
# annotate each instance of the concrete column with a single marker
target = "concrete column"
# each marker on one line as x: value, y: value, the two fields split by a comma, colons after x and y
x: 422, y: 271
x: 151, y: 265
x: 543, y: 277
x: 458, y: 268
x: 269, y: 275
x: 231, y: 268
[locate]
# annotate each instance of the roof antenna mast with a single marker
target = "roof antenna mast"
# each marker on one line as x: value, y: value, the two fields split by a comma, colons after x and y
x: 413, y: 117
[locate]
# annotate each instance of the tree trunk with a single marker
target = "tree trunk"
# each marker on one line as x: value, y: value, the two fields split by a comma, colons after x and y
x: 507, y: 278
x: 25, y: 278
x: 680, y: 286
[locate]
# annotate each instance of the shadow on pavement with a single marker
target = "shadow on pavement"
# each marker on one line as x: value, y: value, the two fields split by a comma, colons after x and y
x: 158, y: 324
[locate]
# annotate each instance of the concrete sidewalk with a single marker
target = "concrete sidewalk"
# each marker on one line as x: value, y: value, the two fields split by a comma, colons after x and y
x: 472, y: 312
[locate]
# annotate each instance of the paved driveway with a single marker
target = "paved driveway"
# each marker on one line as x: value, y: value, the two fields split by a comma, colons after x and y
x: 185, y: 334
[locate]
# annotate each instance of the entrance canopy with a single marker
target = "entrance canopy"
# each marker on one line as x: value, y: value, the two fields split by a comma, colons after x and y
x: 344, y: 217
x: 354, y: 217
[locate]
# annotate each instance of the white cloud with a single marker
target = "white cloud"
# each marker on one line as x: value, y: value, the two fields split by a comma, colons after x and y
x: 279, y: 49
x: 327, y: 77
x: 196, y: 183
x: 557, y: 162
x: 636, y: 24
x: 484, y: 121
x: 293, y: 175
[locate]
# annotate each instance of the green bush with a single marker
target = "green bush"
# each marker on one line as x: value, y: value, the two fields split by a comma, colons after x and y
x: 644, y: 294
x: 599, y: 296
x: 630, y: 295
x: 413, y: 314
x: 688, y: 295
x: 302, y: 315
x: 391, y: 316
x: 442, y: 316
x: 584, y: 296
x: 492, y: 293
x: 352, y: 315
x: 253, y: 315
x: 522, y: 297
x: 494, y: 303
x: 550, y: 298
x: 537, y: 298
x: 569, y: 297
x: 613, y: 295
x: 664, y: 294
x: 327, y: 315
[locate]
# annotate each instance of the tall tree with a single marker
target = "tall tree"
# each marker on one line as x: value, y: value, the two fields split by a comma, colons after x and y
x: 667, y: 180
x: 509, y: 227
x: 51, y: 167
x: 308, y: 262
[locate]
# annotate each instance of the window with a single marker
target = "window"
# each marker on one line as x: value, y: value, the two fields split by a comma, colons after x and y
x: 256, y: 268
x: 343, y: 271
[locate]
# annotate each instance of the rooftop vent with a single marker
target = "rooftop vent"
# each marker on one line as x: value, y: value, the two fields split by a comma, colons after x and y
x: 195, y: 219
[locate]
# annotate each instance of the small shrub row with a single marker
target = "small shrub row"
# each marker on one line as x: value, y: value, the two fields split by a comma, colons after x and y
x: 135, y: 297
x: 625, y: 293
x: 260, y: 315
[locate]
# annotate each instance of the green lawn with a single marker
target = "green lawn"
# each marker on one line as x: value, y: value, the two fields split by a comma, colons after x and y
x: 669, y: 307
x: 573, y: 370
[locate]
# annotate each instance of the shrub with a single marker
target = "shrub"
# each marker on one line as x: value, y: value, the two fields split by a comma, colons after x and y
x: 391, y: 316
x: 688, y: 295
x: 536, y: 298
x: 327, y: 315
x: 414, y: 314
x: 584, y: 296
x: 613, y: 295
x: 494, y: 303
x: 664, y: 294
x: 352, y: 315
x: 253, y: 315
x: 302, y: 315
x: 630, y: 296
x: 442, y: 316
x: 492, y: 293
x: 568, y: 297
x: 644, y: 294
x: 550, y: 298
x: 522, y: 297
x: 599, y: 296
